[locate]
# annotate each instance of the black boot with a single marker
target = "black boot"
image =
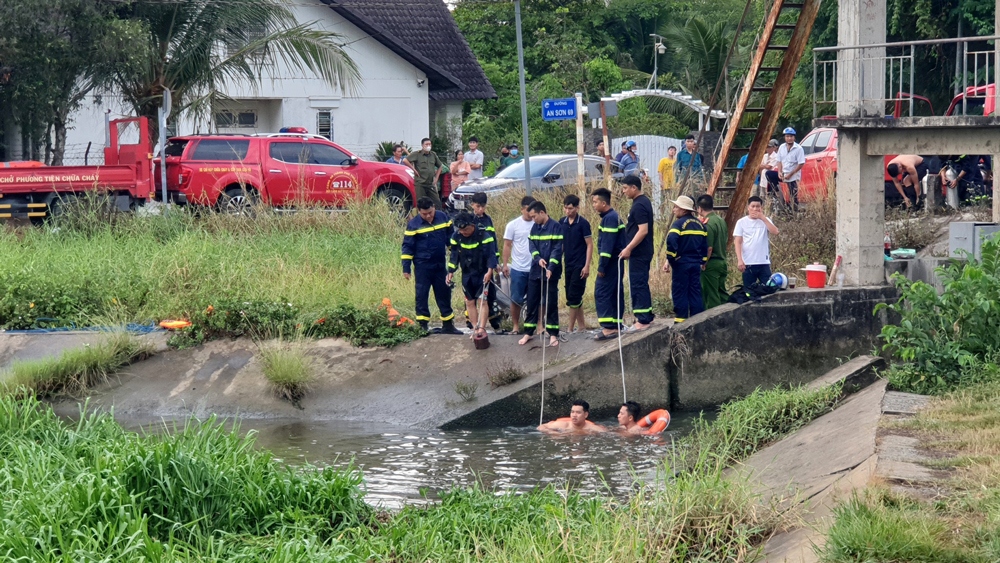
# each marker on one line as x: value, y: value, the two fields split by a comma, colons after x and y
x: 448, y: 327
x: 423, y: 326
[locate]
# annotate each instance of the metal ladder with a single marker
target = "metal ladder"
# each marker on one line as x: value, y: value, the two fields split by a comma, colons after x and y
x: 768, y: 81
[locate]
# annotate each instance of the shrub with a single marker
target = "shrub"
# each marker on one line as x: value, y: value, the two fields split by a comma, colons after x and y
x: 467, y: 391
x: 503, y: 372
x: 939, y: 337
x: 288, y: 369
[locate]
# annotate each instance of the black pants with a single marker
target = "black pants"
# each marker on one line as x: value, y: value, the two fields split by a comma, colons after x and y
x: 610, y: 296
x: 638, y: 281
x: 685, y: 290
x: 575, y: 287
x: 429, y: 276
x: 550, y: 300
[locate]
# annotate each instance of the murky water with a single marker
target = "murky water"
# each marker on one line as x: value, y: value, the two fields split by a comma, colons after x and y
x: 399, y: 465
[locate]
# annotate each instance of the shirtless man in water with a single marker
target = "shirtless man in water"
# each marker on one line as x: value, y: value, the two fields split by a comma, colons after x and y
x: 628, y: 418
x: 576, y: 424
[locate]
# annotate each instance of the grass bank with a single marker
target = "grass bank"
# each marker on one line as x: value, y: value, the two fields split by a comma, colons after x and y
x: 92, y: 491
x: 960, y: 522
x: 76, y: 369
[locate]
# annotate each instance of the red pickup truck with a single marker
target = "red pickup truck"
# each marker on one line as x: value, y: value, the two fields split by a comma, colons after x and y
x: 232, y: 172
x: 36, y: 191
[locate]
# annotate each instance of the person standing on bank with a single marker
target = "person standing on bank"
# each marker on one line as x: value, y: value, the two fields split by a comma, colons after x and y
x: 578, y: 250
x: 485, y: 223
x: 427, y: 168
x: 475, y: 158
x: 639, y: 251
x: 609, y: 294
x: 791, y: 159
x: 751, y: 237
x: 715, y: 271
x: 517, y: 258
x: 687, y: 253
x: 425, y: 244
x: 546, y: 244
x: 475, y: 251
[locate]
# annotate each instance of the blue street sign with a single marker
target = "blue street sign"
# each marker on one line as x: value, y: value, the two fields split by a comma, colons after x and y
x: 563, y: 108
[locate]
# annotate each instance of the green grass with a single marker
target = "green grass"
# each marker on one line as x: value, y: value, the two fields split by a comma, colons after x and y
x: 75, y: 369
x: 288, y: 369
x: 91, y: 491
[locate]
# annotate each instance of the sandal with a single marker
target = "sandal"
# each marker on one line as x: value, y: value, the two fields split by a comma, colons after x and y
x: 602, y: 336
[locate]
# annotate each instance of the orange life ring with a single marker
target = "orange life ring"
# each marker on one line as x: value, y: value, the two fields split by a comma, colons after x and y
x: 175, y: 325
x: 570, y: 420
x: 657, y: 421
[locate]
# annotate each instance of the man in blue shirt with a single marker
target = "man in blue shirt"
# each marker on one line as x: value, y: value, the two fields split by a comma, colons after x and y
x: 639, y: 251
x: 689, y: 166
x: 629, y: 160
x: 578, y: 250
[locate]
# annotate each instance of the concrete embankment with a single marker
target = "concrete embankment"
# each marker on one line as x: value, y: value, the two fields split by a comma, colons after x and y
x: 790, y: 337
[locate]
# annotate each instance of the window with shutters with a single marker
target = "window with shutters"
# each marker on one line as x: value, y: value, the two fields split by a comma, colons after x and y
x: 324, y: 124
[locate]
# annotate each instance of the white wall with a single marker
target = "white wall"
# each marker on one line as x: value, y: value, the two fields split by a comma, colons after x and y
x: 387, y: 105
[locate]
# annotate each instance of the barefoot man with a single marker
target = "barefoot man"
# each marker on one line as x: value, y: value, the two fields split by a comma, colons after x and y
x: 577, y: 422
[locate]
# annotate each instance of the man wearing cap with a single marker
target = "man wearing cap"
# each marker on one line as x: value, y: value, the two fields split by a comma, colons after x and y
x: 687, y: 253
x: 639, y: 250
x: 791, y: 159
x: 629, y: 161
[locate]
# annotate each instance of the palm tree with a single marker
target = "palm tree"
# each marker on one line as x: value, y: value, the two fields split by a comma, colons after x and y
x: 700, y: 49
x: 195, y: 47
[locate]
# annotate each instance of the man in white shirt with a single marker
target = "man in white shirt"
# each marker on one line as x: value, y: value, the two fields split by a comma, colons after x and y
x: 751, y: 237
x: 475, y: 158
x: 791, y: 159
x: 517, y: 259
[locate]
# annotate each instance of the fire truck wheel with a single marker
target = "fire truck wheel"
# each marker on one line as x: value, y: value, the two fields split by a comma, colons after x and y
x: 397, y: 198
x: 238, y: 200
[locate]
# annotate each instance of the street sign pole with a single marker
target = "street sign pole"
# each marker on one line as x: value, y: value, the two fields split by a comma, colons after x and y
x: 579, y: 146
x: 524, y: 101
x: 607, y: 146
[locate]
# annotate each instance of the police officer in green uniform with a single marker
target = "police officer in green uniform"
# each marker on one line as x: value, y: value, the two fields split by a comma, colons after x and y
x: 427, y: 167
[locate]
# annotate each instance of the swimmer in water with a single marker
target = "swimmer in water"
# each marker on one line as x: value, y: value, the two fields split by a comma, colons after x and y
x: 628, y: 418
x: 577, y: 422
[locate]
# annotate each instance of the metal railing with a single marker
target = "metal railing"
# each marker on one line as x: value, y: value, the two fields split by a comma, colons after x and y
x: 890, y: 67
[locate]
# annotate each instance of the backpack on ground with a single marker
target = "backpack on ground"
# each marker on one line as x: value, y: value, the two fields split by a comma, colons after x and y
x: 752, y: 292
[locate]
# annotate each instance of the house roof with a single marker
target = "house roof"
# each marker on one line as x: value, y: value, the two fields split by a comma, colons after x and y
x: 424, y: 33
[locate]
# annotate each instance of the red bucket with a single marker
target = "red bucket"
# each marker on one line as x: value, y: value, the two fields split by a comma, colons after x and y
x: 816, y: 276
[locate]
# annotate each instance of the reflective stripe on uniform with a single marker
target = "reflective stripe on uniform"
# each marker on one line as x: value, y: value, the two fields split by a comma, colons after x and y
x: 428, y: 229
x: 608, y: 320
x: 545, y: 237
x: 449, y: 317
x: 407, y: 257
x: 637, y: 311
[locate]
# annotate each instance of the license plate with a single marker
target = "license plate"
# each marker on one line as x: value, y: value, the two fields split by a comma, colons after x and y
x: 459, y: 204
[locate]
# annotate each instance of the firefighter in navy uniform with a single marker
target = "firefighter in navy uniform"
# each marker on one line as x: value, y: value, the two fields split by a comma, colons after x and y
x: 425, y: 244
x: 687, y: 254
x: 546, y: 245
x: 608, y: 291
x: 475, y: 251
x: 485, y: 223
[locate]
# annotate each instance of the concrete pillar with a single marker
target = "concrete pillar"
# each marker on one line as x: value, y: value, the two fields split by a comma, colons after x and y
x: 861, y: 72
x: 860, y: 210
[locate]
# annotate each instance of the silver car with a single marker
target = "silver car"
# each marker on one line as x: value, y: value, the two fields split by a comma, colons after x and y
x: 548, y: 171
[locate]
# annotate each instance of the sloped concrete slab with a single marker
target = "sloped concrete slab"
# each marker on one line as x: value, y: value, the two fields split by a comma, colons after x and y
x: 907, y: 404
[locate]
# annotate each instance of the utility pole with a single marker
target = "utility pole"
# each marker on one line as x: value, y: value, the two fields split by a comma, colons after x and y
x: 524, y: 102
x: 607, y: 146
x: 579, y: 146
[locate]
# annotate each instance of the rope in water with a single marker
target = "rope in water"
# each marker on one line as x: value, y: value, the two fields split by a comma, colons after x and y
x: 618, y: 319
x: 543, y: 283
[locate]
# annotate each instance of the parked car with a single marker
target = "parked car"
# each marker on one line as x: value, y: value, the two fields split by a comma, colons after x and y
x: 550, y: 171
x: 231, y: 172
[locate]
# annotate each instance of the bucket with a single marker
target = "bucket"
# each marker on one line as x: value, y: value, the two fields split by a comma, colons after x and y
x: 480, y: 339
x: 816, y: 276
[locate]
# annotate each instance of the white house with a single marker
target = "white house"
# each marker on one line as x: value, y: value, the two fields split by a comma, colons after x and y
x: 416, y: 70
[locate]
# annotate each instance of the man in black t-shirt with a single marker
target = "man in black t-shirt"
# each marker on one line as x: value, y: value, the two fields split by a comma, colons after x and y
x: 578, y: 251
x: 639, y: 251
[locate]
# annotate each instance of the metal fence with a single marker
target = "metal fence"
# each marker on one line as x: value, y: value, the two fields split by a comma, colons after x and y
x: 885, y: 73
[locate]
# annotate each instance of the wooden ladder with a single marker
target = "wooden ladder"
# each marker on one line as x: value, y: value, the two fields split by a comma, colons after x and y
x: 768, y: 81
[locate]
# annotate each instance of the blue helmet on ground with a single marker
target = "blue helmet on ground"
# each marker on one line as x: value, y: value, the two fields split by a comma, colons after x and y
x: 778, y: 280
x: 788, y: 131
